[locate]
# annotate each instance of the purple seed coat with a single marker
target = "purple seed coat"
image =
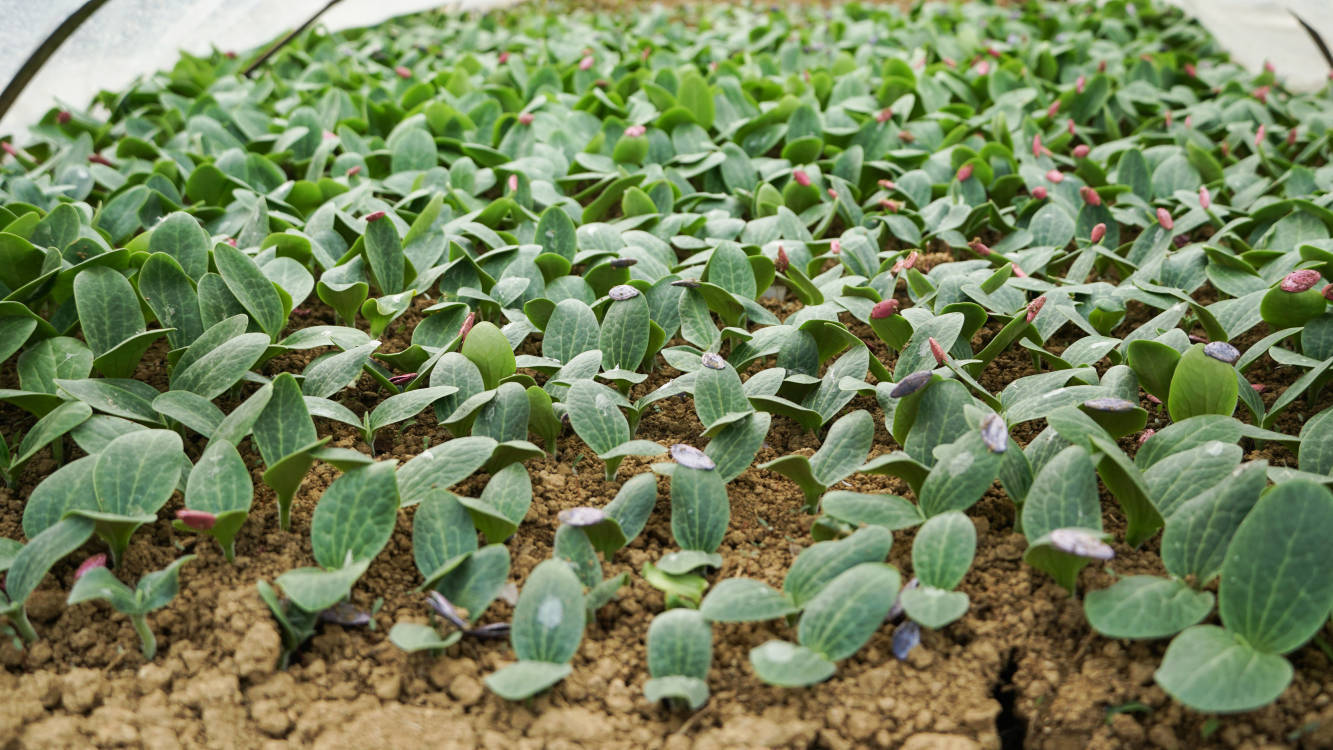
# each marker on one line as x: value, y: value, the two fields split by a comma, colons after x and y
x: 911, y: 384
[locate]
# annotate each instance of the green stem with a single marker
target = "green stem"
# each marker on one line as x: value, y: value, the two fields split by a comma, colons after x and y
x: 285, y: 513
x: 146, y: 638
x: 19, y: 619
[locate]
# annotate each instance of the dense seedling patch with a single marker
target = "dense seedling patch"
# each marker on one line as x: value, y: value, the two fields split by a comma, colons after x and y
x: 963, y: 246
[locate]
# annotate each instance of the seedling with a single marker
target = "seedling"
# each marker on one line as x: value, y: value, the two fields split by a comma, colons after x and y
x: 547, y: 630
x: 154, y: 591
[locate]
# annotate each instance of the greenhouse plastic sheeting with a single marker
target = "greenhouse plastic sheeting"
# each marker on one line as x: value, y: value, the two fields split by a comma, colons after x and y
x: 1255, y: 31
x: 126, y: 38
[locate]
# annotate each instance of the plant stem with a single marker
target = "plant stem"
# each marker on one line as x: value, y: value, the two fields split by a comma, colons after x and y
x: 19, y: 619
x: 146, y: 638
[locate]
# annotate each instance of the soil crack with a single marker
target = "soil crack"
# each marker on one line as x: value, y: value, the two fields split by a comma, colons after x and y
x: 1011, y: 728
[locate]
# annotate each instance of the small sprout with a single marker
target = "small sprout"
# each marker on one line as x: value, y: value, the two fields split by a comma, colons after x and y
x: 96, y: 561
x: 1222, y: 351
x: 691, y: 457
x: 1039, y: 193
x: 891, y: 206
x: 1081, y: 544
x: 884, y: 309
x: 468, y: 322
x: 964, y: 173
x: 403, y: 379
x: 1165, y: 220
x: 1090, y: 196
x: 994, y: 433
x: 979, y: 247
x: 1081, y: 151
x: 911, y: 384
x: 1110, y: 404
x: 586, y: 63
x: 196, y: 519
x: 1205, y: 199
x: 1258, y: 387
x: 936, y: 351
x: 906, y: 637
x: 1034, y: 307
x: 1098, y: 233
x: 374, y: 217
x: 1055, y: 176
x: 713, y: 361
x: 635, y: 131
x: 801, y: 178
x: 347, y: 615
x: 403, y: 71
x: 621, y: 292
x: 783, y: 262
x: 582, y: 516
x: 525, y: 118
x: 1146, y: 435
x: 1300, y: 280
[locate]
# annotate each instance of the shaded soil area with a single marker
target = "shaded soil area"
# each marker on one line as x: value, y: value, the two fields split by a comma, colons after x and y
x: 1021, y: 669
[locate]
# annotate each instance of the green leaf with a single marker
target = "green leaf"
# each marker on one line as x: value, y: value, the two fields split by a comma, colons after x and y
x: 595, y: 416
x: 733, y: 448
x: 745, y: 600
x: 934, y: 608
x: 550, y: 614
x: 1183, y: 475
x: 633, y: 504
x: 525, y: 679
x: 942, y: 550
x: 839, y: 620
x: 49, y: 360
x: 171, y: 296
x: 556, y: 233
x: 1201, y: 385
x: 401, y: 406
x: 442, y: 466
x: 477, y: 581
x: 41, y: 552
x: 1196, y: 539
x: 963, y: 472
x: 108, y: 310
x: 844, y: 448
x: 889, y: 511
x: 504, y: 417
x: 284, y: 426
x: 1145, y: 607
x: 1186, y: 434
x: 101, y: 583
x: 1063, y: 495
x: 503, y: 503
x: 57, y: 422
x: 251, y: 288
x: 571, y: 330
x: 680, y: 643
x: 65, y: 489
x: 788, y: 665
x: 325, y: 377
x: 190, y: 409
x: 490, y: 351
x: 1316, y: 450
x: 180, y: 237
x: 700, y: 510
x: 316, y: 589
x: 623, y: 338
x: 355, y: 516
x: 1275, y: 592
x: 1210, y: 669
x: 412, y: 637
x: 823, y: 561
x: 137, y: 472
x: 212, y: 372
x: 384, y: 255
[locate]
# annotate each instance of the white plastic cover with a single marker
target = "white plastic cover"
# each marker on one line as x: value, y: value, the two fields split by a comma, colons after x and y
x: 126, y: 38
x: 1259, y: 31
